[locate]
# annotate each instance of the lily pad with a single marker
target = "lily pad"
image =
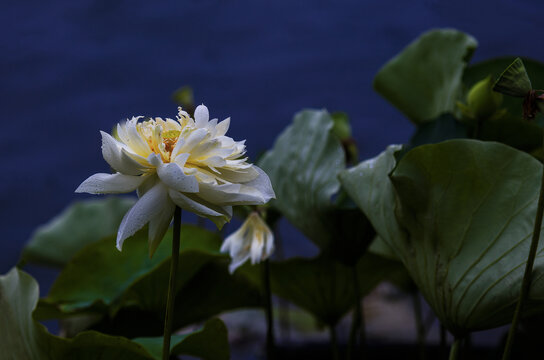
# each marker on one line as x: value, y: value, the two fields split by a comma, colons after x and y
x: 82, y: 223
x: 303, y: 167
x: 459, y: 214
x: 24, y: 338
x: 324, y: 287
x: 129, y: 288
x: 445, y: 127
x: 425, y: 79
x: 210, y: 342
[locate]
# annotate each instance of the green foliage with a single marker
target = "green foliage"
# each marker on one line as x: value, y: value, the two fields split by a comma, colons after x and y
x: 210, y: 342
x: 514, y: 81
x: 25, y: 339
x: 425, y: 79
x: 368, y: 185
x: 482, y: 102
x: 102, y: 280
x: 495, y: 67
x: 459, y: 215
x: 82, y: 223
x: 303, y: 166
x: 184, y: 97
x: 325, y: 287
x: 445, y: 127
x: 520, y: 134
x: 341, y: 126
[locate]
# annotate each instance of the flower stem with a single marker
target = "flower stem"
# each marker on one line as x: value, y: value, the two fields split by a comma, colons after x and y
x: 270, y: 347
x: 454, y: 351
x: 334, y: 343
x: 526, y: 283
x: 357, y: 320
x: 176, y: 239
x: 443, y: 348
x: 420, y: 326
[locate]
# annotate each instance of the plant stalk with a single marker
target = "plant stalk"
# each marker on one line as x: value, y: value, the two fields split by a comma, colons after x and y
x: 420, y: 326
x: 356, y: 319
x: 334, y: 343
x: 443, y: 349
x: 454, y: 351
x: 527, y: 276
x: 169, y: 318
x: 270, y: 346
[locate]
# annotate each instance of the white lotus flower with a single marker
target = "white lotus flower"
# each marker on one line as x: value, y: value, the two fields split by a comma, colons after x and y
x: 253, y: 240
x: 188, y: 163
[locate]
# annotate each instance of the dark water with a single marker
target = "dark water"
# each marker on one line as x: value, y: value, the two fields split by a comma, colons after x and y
x: 71, y: 68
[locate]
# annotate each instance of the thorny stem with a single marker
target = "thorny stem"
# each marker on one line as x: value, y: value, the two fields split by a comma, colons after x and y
x: 526, y: 283
x: 176, y: 239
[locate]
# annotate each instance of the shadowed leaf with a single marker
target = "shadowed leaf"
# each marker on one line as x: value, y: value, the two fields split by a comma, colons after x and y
x: 82, y: 223
x: 424, y: 80
x: 459, y: 214
x: 23, y: 338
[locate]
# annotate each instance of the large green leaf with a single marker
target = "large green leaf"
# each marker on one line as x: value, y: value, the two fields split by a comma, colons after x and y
x: 324, y: 287
x: 303, y: 168
x: 140, y: 311
x: 210, y: 342
x: 445, y: 127
x: 25, y: 339
x: 129, y: 288
x: 369, y: 186
x: 424, y: 80
x: 82, y: 223
x: 101, y: 273
x: 465, y: 211
x: 520, y: 134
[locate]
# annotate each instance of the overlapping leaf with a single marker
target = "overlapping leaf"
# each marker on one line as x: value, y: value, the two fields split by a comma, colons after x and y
x: 303, y: 168
x: 103, y: 280
x: 425, y: 79
x: 324, y: 287
x: 459, y: 214
x: 25, y: 339
x: 82, y: 223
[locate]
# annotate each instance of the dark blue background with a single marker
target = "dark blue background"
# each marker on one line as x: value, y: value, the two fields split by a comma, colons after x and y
x: 71, y: 68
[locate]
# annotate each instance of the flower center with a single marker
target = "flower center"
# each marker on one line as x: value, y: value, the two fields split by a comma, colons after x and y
x: 169, y: 139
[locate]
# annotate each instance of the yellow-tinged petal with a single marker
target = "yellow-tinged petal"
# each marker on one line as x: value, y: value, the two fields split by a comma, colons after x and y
x: 184, y: 162
x: 253, y: 240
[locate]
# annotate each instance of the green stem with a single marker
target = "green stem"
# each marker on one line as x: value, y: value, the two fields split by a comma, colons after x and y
x: 362, y: 332
x: 334, y: 343
x: 477, y: 128
x: 270, y: 347
x: 283, y: 305
x: 176, y: 239
x: 443, y: 350
x: 420, y: 327
x: 357, y: 318
x: 454, y: 351
x: 526, y: 283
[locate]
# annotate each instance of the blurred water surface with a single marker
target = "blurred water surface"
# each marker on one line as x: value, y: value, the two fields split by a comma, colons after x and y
x: 70, y: 69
